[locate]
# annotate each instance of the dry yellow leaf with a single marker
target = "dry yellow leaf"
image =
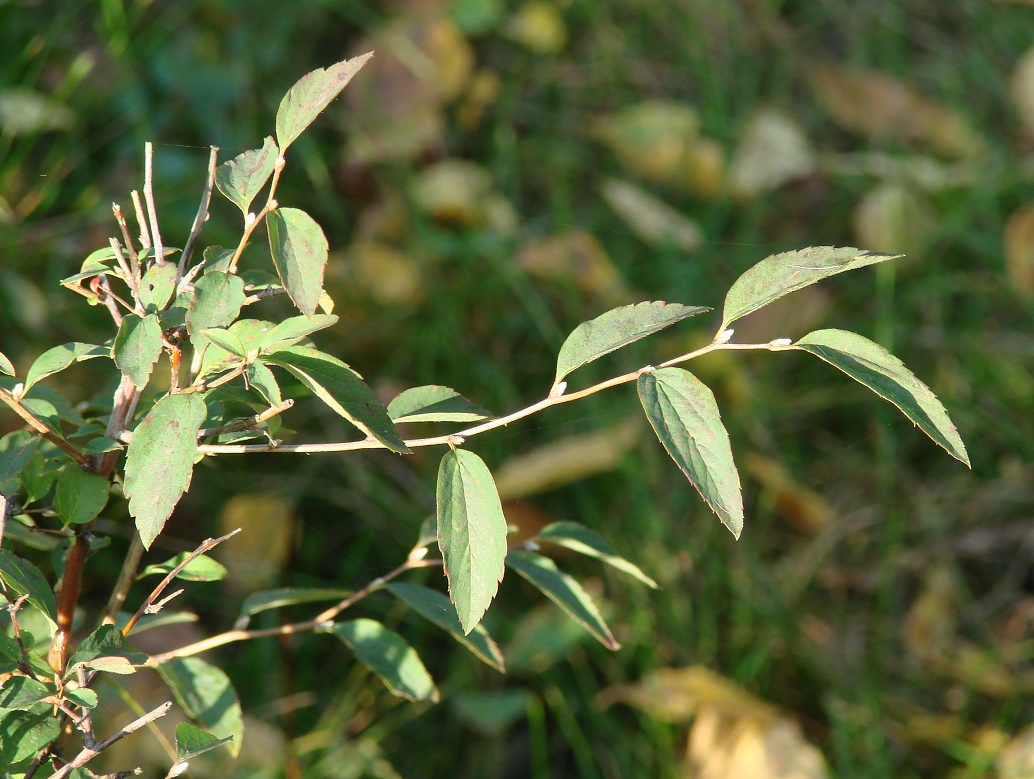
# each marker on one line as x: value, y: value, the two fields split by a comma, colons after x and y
x: 893, y: 218
x: 1022, y: 88
x: 459, y: 193
x: 803, y: 508
x: 1019, y: 249
x: 772, y: 152
x: 652, y: 219
x: 1016, y: 760
x: 539, y: 27
x: 389, y: 275
x: 575, y: 256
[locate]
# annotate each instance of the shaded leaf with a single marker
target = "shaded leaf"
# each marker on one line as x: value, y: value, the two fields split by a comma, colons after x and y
x: 685, y: 417
x: 160, y: 460
x: 6, y: 366
x: 138, y: 346
x: 24, y: 578
x: 16, y: 450
x: 106, y: 649
x: 243, y: 177
x: 471, y: 534
x: 579, y: 538
x: 310, y: 95
x: 263, y: 380
x: 100, y: 445
x: 21, y: 693
x: 80, y: 496
x: 436, y: 607
x: 564, y: 591
x: 616, y: 328
x: 218, y: 298
x: 24, y: 733
x: 389, y: 656
x: 294, y: 329
x: 883, y: 373
x: 299, y: 250
x: 781, y: 274
x: 201, y: 569
x: 207, y: 696
x: 60, y: 357
x: 341, y: 388
x: 157, y: 286
x: 12, y: 654
x: 434, y: 403
x: 191, y: 741
x: 287, y: 596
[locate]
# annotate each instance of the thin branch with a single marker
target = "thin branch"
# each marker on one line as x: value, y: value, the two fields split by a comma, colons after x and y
x: 5, y: 505
x: 126, y: 576
x: 141, y: 221
x: 127, y: 239
x: 12, y: 609
x: 246, y: 424
x: 265, y: 292
x: 207, y: 544
x: 86, y: 722
x: 41, y: 427
x: 89, y: 753
x: 106, y: 296
x: 127, y: 271
x: 202, y: 213
x: 250, y: 223
x: 152, y: 210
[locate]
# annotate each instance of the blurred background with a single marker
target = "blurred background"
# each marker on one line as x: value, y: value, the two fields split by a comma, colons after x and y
x: 500, y: 172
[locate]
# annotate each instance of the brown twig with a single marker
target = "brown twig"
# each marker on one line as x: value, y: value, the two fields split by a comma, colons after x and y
x: 152, y: 210
x: 202, y: 213
x: 127, y: 239
x: 41, y: 427
x: 127, y: 271
x: 141, y: 221
x: 12, y: 609
x: 126, y: 576
x: 88, y: 753
x: 246, y: 424
x: 250, y: 223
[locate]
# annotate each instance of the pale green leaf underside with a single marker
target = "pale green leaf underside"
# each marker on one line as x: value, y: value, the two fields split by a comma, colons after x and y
x: 225, y: 340
x: 243, y: 177
x: 138, y: 346
x: 388, y: 655
x: 879, y: 370
x: 471, y: 534
x: 60, y: 357
x: 781, y: 274
x: 106, y: 648
x: 434, y: 403
x: 685, y: 417
x: 6, y: 366
x: 207, y: 696
x: 310, y: 95
x: 294, y: 329
x: 564, y: 591
x: 300, y: 251
x: 578, y: 538
x: 616, y: 328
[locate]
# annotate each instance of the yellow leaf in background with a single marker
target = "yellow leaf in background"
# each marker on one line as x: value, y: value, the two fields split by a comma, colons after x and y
x: 1016, y: 760
x: 790, y: 317
x: 893, y: 218
x: 924, y: 172
x: 1022, y: 89
x: 484, y: 91
x: 930, y: 624
x: 389, y: 276
x: 885, y: 109
x: 575, y: 256
x: 652, y: 219
x: 773, y: 151
x: 1019, y: 249
x: 460, y: 193
x: 256, y: 556
x: 566, y: 460
x: 539, y: 27
x: 803, y: 508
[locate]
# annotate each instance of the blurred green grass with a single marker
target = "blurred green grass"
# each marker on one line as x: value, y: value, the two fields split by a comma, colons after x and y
x: 823, y: 624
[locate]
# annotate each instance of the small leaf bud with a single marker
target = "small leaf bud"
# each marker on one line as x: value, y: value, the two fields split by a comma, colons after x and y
x: 725, y: 336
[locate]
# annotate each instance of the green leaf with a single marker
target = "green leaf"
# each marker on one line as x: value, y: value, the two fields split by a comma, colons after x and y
x: 436, y: 607
x: 389, y: 656
x: 157, y: 286
x: 341, y: 388
x: 24, y: 733
x: 106, y: 649
x: 287, y: 596
x: 100, y: 445
x: 160, y: 460
x: 60, y: 357
x: 191, y: 741
x: 149, y: 621
x: 781, y: 274
x: 434, y: 403
x: 310, y: 95
x: 80, y: 496
x: 262, y: 379
x: 218, y: 298
x: 11, y: 652
x: 21, y: 693
x: 243, y: 177
x: 137, y: 348
x: 294, y: 329
x: 207, y: 696
x: 471, y: 534
x: 225, y: 340
x: 564, y: 591
x: 6, y: 366
x: 616, y: 328
x: 24, y: 578
x: 579, y: 538
x: 685, y: 417
x: 299, y: 250
x: 83, y: 696
x: 879, y: 370
x: 16, y: 451
x: 201, y: 569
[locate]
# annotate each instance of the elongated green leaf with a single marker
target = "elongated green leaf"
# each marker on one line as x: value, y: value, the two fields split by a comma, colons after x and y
x: 685, y: 417
x: 191, y: 741
x: 137, y: 348
x: 24, y: 733
x: 11, y: 655
x: 20, y: 692
x: 579, y: 538
x: 616, y: 328
x: 263, y: 380
x: 434, y: 403
x: 16, y: 451
x: 287, y: 596
x: 6, y: 366
x: 292, y: 330
x: 299, y: 250
x: 388, y: 655
x: 60, y: 357
x: 23, y: 578
x: 157, y: 286
x: 82, y: 696
x: 341, y: 388
x: 207, y: 696
x: 217, y: 302
x: 436, y: 607
x: 471, y: 534
x: 243, y: 177
x: 225, y: 340
x: 80, y: 496
x: 564, y: 591
x: 781, y: 274
x: 201, y: 569
x: 106, y: 649
x: 310, y: 95
x: 160, y: 460
x: 879, y: 370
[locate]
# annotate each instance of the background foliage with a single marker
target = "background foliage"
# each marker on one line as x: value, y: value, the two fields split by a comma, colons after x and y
x: 501, y: 172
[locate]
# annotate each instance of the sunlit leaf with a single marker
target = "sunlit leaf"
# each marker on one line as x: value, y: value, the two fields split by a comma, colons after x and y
x: 685, y: 417
x: 82, y: 696
x: 157, y: 286
x: 60, y: 357
x: 207, y: 696
x: 434, y: 403
x: 310, y: 95
x: 80, y: 496
x: 19, y: 693
x: 106, y: 649
x: 287, y: 596
x: 138, y: 346
x: 6, y: 366
x: 217, y: 302
x: 564, y: 591
x: 772, y: 152
x: 23, y: 578
x: 299, y: 250
x: 883, y: 373
x: 388, y: 655
x: 263, y: 380
x: 781, y: 274
x: 201, y: 569
x: 471, y: 533
x: 225, y: 340
x: 616, y: 328
x: 436, y: 607
x: 294, y: 329
x: 160, y: 460
x: 579, y: 538
x: 191, y: 741
x: 243, y: 177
